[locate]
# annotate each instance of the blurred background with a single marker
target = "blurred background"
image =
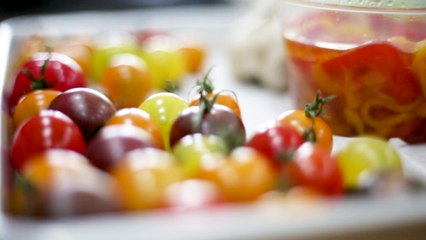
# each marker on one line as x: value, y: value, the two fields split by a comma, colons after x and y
x: 11, y: 8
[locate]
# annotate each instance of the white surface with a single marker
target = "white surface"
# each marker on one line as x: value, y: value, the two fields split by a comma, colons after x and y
x: 254, y: 221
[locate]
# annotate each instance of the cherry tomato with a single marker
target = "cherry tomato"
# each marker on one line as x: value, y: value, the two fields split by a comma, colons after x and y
x: 192, y: 194
x: 88, y: 108
x: 48, y: 129
x: 105, y: 51
x: 111, y: 143
x: 45, y: 70
x: 30, y: 46
x: 398, y: 81
x: 143, y: 177
x: 276, y: 142
x: 218, y: 120
x: 366, y: 157
x: 139, y: 118
x: 79, y: 49
x: 299, y: 121
x: 127, y: 80
x: 164, y: 108
x: 61, y: 182
x: 163, y: 58
x: 32, y: 103
x: 243, y: 176
x: 193, y: 55
x: 190, y: 150
x: 314, y: 167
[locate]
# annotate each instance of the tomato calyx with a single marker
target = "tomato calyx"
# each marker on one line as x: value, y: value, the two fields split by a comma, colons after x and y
x: 39, y: 83
x: 312, y: 111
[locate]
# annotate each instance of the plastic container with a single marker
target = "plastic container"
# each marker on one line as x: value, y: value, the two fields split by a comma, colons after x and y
x: 370, y: 54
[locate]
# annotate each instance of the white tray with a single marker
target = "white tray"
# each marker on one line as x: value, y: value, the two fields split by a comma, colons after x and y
x: 397, y: 217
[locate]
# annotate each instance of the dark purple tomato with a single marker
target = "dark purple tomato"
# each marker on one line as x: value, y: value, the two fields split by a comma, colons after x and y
x: 45, y: 70
x: 88, y: 108
x: 277, y: 142
x: 111, y: 143
x: 219, y: 121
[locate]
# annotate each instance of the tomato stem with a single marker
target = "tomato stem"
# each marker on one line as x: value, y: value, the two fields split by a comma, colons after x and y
x: 313, y: 110
x: 39, y: 83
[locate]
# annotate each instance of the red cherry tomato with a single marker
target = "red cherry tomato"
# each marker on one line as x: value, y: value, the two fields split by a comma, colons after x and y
x: 45, y: 70
x: 315, y: 168
x: 46, y: 130
x: 377, y: 58
x: 277, y: 142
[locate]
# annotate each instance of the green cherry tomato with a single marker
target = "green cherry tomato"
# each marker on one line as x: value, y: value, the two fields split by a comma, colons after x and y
x: 190, y: 150
x: 164, y: 108
x: 366, y: 157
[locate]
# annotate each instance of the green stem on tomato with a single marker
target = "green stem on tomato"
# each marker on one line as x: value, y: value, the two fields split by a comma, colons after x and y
x: 39, y: 83
x: 312, y: 111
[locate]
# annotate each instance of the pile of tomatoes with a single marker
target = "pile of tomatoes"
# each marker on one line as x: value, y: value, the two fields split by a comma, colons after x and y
x: 77, y: 150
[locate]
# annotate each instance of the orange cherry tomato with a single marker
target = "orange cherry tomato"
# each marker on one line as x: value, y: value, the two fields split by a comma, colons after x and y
x: 244, y: 175
x: 127, y: 81
x: 143, y: 177
x: 139, y: 118
x: 299, y: 121
x: 32, y: 103
x: 194, y: 57
x: 81, y: 50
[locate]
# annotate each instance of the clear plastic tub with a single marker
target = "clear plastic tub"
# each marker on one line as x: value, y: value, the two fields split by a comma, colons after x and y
x: 369, y: 54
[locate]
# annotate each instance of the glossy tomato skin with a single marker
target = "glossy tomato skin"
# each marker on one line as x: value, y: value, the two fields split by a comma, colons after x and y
x: 299, y: 121
x: 315, y: 168
x: 111, y: 143
x: 244, y: 175
x: 164, y: 108
x: 46, y: 130
x: 219, y: 121
x: 139, y: 118
x: 365, y: 158
x: 278, y: 142
x: 127, y: 81
x: 32, y: 103
x: 191, y: 149
x: 143, y: 177
x: 88, y: 108
x: 61, y: 73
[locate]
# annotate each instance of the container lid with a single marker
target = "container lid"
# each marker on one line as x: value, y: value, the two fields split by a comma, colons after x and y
x: 388, y: 4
